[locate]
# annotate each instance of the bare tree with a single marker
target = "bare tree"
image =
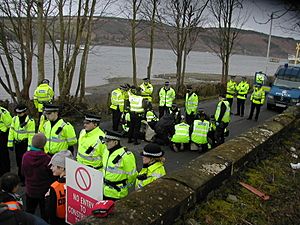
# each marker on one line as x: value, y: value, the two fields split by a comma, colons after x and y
x: 228, y: 20
x: 150, y: 11
x: 184, y: 18
x: 17, y: 46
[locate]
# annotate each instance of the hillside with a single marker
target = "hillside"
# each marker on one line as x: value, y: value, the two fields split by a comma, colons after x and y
x: 116, y: 32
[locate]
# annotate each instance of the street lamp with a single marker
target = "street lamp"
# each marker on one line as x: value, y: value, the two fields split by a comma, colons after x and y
x: 269, y: 43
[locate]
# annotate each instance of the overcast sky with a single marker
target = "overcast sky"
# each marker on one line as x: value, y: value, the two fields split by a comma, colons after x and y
x: 261, y: 12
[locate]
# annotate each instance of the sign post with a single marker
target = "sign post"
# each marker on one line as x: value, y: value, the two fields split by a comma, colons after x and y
x: 84, y: 187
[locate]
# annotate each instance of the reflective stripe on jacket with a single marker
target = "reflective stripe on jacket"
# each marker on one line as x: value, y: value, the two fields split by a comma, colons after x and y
x: 136, y: 103
x: 60, y: 192
x: 120, y: 174
x: 19, y: 133
x: 117, y: 99
x: 231, y: 86
x: 42, y: 94
x: 166, y: 97
x: 152, y: 173
x: 91, y: 147
x: 191, y: 103
x: 5, y: 119
x: 147, y: 91
x: 258, y: 96
x: 61, y: 141
x: 182, y: 133
x: 242, y: 90
x: 150, y: 116
x: 200, y: 130
x: 226, y: 116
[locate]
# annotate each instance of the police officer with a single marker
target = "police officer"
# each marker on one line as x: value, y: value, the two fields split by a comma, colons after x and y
x: 222, y: 118
x: 5, y: 121
x: 91, y: 143
x: 150, y: 116
x: 200, y: 130
x: 260, y: 78
x: 257, y: 100
x: 231, y: 90
x: 60, y: 134
x: 43, y: 94
x: 153, y: 165
x: 20, y: 135
x: 119, y: 169
x: 242, y: 91
x: 191, y: 105
x: 181, y: 136
x: 176, y: 113
x: 137, y: 104
x: 118, y: 97
x: 166, y: 97
x: 146, y: 89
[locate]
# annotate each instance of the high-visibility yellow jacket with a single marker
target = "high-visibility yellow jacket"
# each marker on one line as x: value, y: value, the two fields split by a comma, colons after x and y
x: 260, y: 78
x: 119, y: 171
x: 150, y: 116
x: 5, y: 119
x: 136, y: 103
x: 242, y: 90
x: 19, y: 132
x: 166, y: 97
x: 91, y: 146
x: 59, y: 137
x: 43, y: 120
x: 150, y: 174
x: 191, y: 103
x: 258, y: 96
x: 226, y: 116
x: 200, y: 130
x: 146, y: 91
x: 125, y: 121
x: 42, y: 94
x: 117, y: 99
x: 231, y: 87
x: 182, y: 133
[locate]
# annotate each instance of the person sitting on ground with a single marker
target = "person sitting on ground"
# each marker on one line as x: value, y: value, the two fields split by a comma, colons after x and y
x: 181, y: 136
x: 200, y: 130
x: 153, y: 165
x: 11, y: 203
x: 56, y: 195
x: 38, y: 176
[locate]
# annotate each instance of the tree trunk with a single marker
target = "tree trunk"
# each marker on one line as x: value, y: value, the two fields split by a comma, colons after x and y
x: 40, y: 40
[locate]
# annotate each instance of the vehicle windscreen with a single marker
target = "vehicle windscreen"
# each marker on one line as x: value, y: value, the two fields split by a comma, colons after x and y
x: 287, y: 83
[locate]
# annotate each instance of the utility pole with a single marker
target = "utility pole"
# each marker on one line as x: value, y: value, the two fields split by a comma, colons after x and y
x: 269, y: 43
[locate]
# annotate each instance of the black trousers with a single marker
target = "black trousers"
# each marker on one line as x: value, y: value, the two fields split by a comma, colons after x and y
x: 186, y: 146
x: 220, y: 139
x: 189, y: 118
x: 135, y: 125
x: 230, y: 100
x: 20, y: 149
x: 240, y: 107
x: 162, y: 110
x: 33, y: 203
x: 257, y: 107
x: 116, y: 118
x: 4, y: 154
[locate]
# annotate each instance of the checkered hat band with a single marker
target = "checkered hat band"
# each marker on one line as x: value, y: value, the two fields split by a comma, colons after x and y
x: 152, y: 154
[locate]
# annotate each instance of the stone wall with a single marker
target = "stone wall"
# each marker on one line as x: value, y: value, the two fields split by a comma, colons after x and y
x: 166, y: 199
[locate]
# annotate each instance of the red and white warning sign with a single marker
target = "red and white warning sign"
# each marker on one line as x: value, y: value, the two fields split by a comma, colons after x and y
x: 84, y: 187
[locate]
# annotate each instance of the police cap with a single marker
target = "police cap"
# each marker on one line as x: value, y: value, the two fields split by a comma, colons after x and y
x: 51, y: 108
x: 92, y: 118
x: 45, y: 81
x: 20, y: 108
x: 111, y: 137
x: 189, y: 87
x: 167, y: 83
x: 146, y: 79
x: 152, y: 150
